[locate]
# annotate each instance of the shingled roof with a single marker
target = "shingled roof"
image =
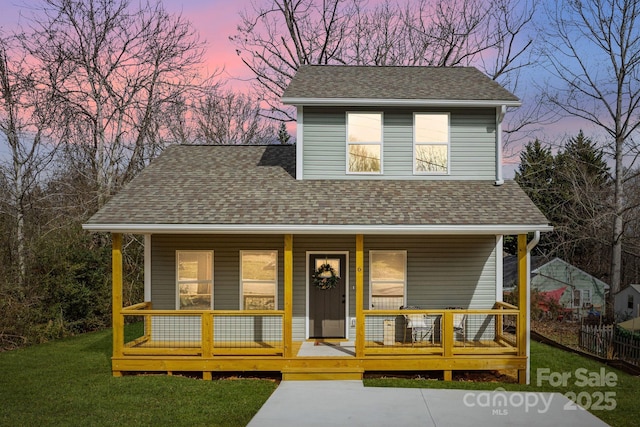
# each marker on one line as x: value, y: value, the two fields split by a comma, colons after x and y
x: 437, y: 85
x: 214, y: 188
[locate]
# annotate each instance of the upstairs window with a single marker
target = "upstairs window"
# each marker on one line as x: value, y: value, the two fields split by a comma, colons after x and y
x: 364, y: 143
x: 431, y: 143
x: 195, y: 280
x: 630, y: 301
x: 259, y: 279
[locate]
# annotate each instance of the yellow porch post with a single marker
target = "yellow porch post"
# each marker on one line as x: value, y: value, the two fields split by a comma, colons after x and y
x: 523, y: 301
x: 288, y: 296
x: 116, y: 290
x: 359, y: 295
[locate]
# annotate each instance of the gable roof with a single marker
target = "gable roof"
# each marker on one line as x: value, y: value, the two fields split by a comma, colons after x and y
x: 230, y: 188
x: 369, y: 85
x: 546, y: 270
x: 632, y: 287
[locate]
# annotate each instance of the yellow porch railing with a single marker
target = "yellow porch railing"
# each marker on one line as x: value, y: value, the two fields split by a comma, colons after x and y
x: 202, y: 333
x: 208, y: 333
x: 443, y: 332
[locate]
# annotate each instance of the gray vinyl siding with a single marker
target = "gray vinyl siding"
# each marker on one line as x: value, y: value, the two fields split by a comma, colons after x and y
x: 442, y: 271
x: 472, y: 144
x: 226, y: 265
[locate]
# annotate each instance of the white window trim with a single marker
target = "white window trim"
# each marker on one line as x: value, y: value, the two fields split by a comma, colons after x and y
x: 178, y: 276
x: 275, y: 302
x: 406, y: 261
x: 448, y: 143
x: 380, y: 143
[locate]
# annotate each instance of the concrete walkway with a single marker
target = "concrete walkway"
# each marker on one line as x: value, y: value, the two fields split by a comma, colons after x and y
x: 349, y: 403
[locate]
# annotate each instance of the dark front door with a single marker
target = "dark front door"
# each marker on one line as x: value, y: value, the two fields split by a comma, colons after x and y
x: 327, y: 306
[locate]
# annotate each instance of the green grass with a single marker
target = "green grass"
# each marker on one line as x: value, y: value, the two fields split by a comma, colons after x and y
x: 69, y: 382
x: 627, y: 389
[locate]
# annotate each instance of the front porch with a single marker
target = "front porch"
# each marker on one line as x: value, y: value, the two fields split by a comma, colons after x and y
x: 211, y: 341
x: 214, y: 340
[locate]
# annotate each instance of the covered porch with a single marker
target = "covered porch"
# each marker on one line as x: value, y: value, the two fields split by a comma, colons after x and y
x: 445, y: 339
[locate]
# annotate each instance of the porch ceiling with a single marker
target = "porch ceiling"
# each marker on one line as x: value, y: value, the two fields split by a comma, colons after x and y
x: 252, y: 189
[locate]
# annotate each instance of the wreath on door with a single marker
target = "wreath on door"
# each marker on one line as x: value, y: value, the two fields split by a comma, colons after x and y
x: 325, y: 277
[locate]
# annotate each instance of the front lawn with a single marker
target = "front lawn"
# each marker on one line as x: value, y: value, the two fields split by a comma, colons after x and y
x: 69, y: 382
x: 551, y: 364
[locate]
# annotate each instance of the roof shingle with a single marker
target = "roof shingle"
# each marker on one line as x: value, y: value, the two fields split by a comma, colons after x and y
x: 235, y: 185
x: 401, y: 83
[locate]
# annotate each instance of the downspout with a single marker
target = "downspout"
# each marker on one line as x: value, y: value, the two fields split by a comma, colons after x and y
x: 500, y: 113
x: 147, y: 267
x: 299, y: 142
x: 532, y: 244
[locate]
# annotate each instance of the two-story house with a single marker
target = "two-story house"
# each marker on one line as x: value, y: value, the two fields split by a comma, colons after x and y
x: 298, y: 258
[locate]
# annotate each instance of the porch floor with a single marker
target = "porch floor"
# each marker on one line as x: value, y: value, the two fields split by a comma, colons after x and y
x: 327, y: 349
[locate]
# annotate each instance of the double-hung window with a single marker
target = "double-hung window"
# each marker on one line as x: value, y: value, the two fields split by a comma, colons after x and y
x: 586, y: 297
x: 388, y: 279
x: 194, y: 280
x: 259, y: 280
x: 431, y: 143
x: 364, y: 142
x: 581, y: 297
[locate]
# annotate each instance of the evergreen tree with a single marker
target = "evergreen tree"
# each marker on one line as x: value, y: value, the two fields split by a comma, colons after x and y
x: 573, y: 190
x: 283, y: 134
x: 535, y: 175
x: 583, y: 186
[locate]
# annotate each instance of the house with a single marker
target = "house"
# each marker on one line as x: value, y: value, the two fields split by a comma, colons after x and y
x: 392, y: 197
x: 582, y: 294
x: 627, y: 303
x: 560, y: 283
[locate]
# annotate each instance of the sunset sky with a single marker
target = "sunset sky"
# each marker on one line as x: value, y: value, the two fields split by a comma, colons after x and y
x: 216, y: 20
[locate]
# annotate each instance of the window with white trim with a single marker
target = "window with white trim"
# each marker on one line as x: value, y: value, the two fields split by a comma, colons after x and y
x: 194, y: 277
x: 431, y: 143
x: 388, y: 279
x: 581, y: 297
x: 259, y: 280
x: 364, y: 142
x: 586, y: 297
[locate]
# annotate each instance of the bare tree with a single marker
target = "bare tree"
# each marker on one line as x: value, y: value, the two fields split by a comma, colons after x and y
x: 26, y: 117
x: 226, y: 117
x: 116, y: 69
x: 594, y: 50
x: 277, y: 36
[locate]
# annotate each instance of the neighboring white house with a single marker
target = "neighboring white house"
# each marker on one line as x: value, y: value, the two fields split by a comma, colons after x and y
x: 627, y: 303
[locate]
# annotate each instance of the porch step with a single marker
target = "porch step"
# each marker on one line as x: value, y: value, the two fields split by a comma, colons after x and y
x: 314, y: 374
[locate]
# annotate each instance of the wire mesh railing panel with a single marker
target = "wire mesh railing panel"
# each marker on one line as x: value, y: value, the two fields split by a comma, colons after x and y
x: 247, y: 331
x: 175, y: 331
x: 485, y: 330
x: 400, y: 330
